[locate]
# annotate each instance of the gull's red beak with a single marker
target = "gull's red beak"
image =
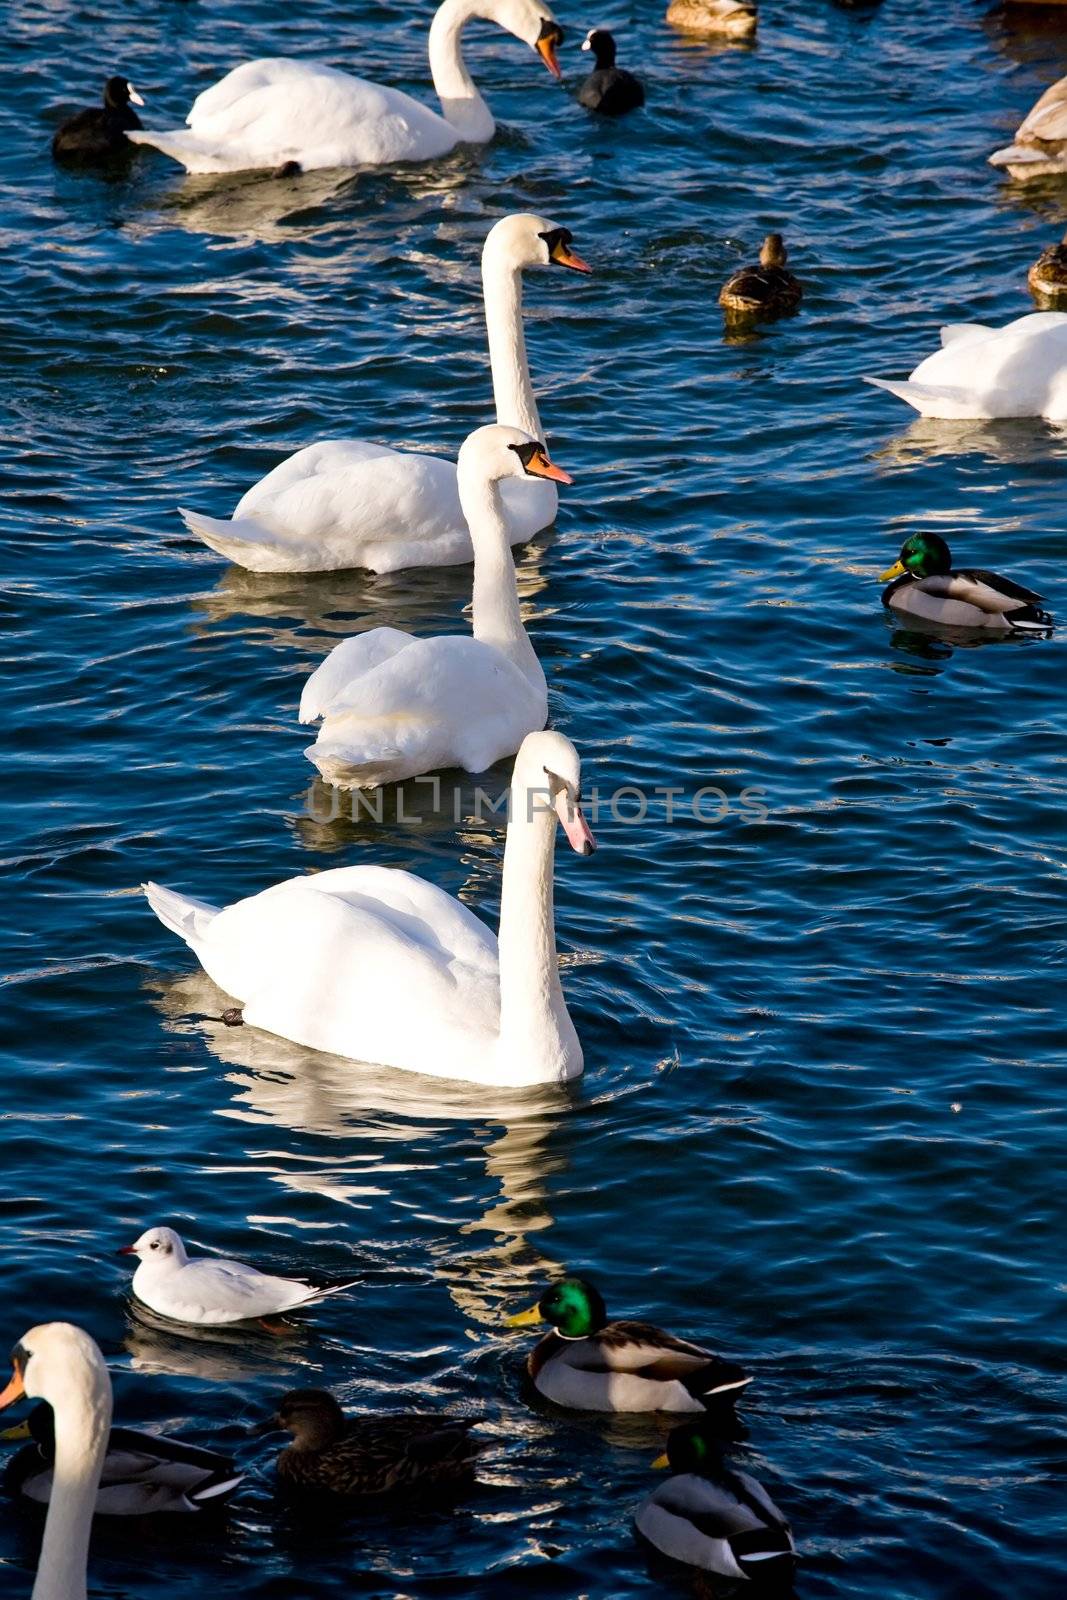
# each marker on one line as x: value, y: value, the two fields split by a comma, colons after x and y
x: 126, y: 1250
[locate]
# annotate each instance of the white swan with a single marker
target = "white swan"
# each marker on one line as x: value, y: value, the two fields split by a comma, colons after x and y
x: 1039, y: 148
x: 1019, y: 370
x: 380, y: 966
x: 59, y: 1363
x: 273, y: 112
x: 393, y: 706
x: 347, y: 503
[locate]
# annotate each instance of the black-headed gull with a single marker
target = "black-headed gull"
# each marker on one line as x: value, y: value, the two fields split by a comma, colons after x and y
x: 205, y: 1291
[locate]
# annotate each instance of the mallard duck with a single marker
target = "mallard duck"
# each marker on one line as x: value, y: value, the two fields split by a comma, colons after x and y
x: 713, y: 1517
x: 591, y: 1364
x: 351, y: 1457
x: 734, y: 18
x: 97, y: 136
x: 924, y: 585
x: 609, y: 89
x: 1048, y: 275
x: 765, y: 291
x: 143, y: 1473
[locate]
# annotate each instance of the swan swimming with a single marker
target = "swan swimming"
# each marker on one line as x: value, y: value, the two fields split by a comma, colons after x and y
x: 276, y: 112
x: 393, y: 706
x: 380, y: 966
x: 349, y: 503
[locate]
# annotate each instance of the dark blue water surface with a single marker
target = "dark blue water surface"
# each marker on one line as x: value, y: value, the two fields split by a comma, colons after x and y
x: 823, y: 1110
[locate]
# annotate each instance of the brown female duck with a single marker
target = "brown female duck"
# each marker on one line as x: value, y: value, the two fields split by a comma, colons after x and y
x: 352, y: 1457
x: 764, y: 291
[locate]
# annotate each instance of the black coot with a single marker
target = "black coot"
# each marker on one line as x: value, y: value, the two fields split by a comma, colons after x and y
x: 609, y: 89
x: 96, y: 136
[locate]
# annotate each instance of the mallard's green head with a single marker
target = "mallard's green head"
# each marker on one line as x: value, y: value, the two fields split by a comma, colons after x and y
x: 921, y: 556
x: 573, y: 1307
x: 690, y: 1448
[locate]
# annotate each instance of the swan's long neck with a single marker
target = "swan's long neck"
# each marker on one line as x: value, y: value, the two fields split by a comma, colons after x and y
x: 537, y: 1038
x: 82, y: 1426
x: 513, y: 393
x: 496, y: 615
x: 461, y: 103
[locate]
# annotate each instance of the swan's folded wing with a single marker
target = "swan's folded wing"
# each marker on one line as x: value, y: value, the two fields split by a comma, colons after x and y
x: 355, y: 491
x: 355, y: 963
x: 449, y: 701
x: 346, y: 663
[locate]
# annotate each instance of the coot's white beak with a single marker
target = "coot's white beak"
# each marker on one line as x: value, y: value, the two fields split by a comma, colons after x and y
x: 586, y: 45
x: 135, y: 98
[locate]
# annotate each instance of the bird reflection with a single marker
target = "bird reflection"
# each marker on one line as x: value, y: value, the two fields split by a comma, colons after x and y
x: 1014, y: 441
x: 332, y: 605
x: 220, y: 1355
x: 284, y: 1085
x: 275, y: 206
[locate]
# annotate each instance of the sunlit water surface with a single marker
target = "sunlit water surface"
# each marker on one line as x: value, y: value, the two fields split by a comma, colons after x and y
x: 823, y: 1107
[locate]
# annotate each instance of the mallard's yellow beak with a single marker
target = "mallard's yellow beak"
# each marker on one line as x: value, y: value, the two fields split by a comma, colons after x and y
x: 525, y: 1319
x: 897, y: 570
x: 21, y: 1432
x: 661, y: 1462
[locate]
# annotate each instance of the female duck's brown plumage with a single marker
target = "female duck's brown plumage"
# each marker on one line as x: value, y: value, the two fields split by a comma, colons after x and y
x: 368, y: 1455
x: 1048, y: 275
x: 767, y: 290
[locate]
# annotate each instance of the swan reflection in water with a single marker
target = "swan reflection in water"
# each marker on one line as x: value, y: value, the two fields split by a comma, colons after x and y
x: 1012, y: 441
x: 377, y: 1112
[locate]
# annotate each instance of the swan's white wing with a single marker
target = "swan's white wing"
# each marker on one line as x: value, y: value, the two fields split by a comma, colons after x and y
x: 1016, y: 371
x: 442, y: 702
x: 347, y: 662
x: 270, y: 111
x: 363, y: 962
x: 958, y: 333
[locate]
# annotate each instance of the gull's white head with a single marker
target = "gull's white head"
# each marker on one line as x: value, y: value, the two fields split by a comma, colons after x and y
x: 157, y: 1245
x: 526, y: 240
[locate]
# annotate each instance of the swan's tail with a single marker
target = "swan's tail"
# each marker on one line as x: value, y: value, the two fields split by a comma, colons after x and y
x: 189, y: 919
x: 346, y: 769
x: 194, y: 154
x: 245, y: 541
x: 928, y: 399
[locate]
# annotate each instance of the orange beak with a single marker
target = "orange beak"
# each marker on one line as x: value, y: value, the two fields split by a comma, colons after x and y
x: 539, y: 466
x: 564, y: 257
x: 546, y: 48
x: 14, y: 1391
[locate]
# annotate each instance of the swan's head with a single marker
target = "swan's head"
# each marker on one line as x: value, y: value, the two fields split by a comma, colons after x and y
x: 57, y: 1362
x: 548, y: 772
x: 157, y: 1245
x: 525, y: 240
x: 118, y: 93
x: 496, y: 452
x: 772, y: 251
x: 533, y: 23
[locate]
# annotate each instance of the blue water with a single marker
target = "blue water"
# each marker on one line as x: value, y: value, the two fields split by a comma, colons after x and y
x: 823, y: 1105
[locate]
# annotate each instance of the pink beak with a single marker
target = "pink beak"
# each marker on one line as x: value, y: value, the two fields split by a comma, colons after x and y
x: 126, y: 1250
x: 579, y: 834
